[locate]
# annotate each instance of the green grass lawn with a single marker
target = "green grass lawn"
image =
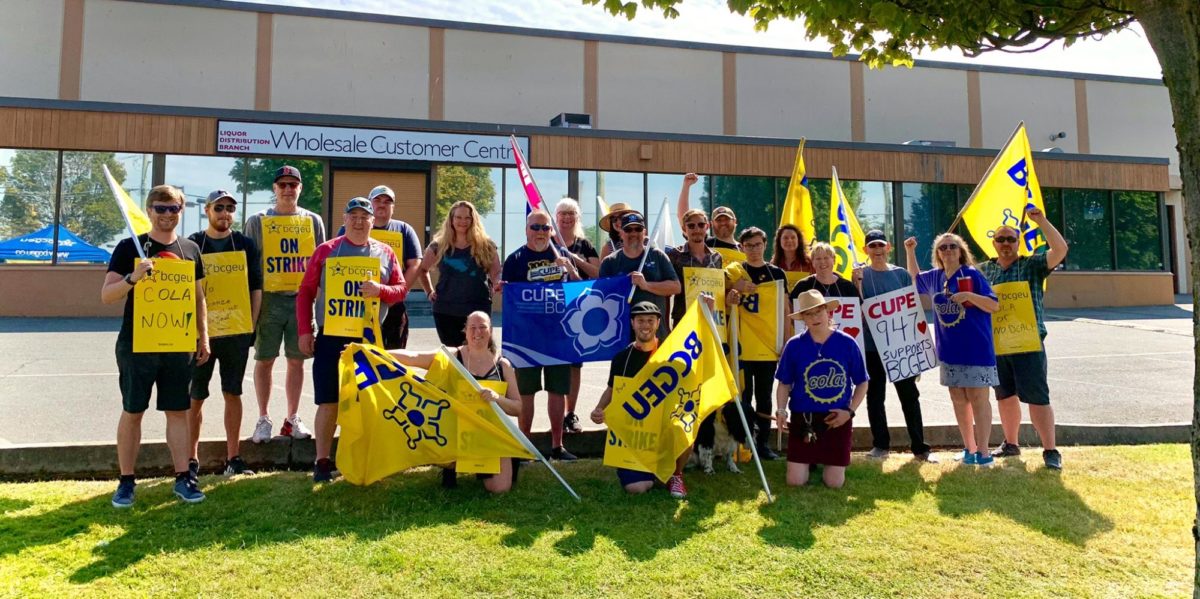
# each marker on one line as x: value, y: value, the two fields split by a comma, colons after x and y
x: 1116, y: 523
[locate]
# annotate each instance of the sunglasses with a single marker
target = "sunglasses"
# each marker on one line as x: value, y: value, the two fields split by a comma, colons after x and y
x: 172, y: 209
x: 288, y: 184
x: 877, y: 244
x: 230, y: 208
x: 634, y: 229
x: 539, y: 227
x: 946, y: 247
x: 697, y: 225
x: 1005, y: 239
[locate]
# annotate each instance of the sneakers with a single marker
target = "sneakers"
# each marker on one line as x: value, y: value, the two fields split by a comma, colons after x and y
x: 123, y: 498
x: 675, y: 486
x: 877, y: 453
x: 185, y: 489
x: 262, y: 430
x: 1052, y: 458
x: 927, y: 457
x: 571, y: 423
x: 984, y: 459
x: 561, y: 454
x: 1006, y: 450
x: 194, y: 468
x: 294, y: 427
x: 235, y: 466
x: 967, y: 458
x: 323, y: 471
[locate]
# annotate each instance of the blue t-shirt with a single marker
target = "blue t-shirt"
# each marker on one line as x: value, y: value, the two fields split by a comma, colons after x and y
x: 822, y: 375
x: 529, y: 266
x: 876, y: 282
x: 964, y: 335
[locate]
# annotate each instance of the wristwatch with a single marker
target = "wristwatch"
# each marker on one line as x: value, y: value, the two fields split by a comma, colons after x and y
x: 129, y: 280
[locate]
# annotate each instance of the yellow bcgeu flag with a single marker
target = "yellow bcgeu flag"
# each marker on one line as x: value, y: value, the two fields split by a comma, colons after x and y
x: 135, y: 217
x: 797, y: 207
x: 760, y: 321
x: 393, y: 420
x: 478, y: 446
x: 655, y: 415
x: 1007, y: 190
x: 845, y: 234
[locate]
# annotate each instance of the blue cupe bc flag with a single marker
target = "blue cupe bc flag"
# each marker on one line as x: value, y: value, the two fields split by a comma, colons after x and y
x: 565, y: 323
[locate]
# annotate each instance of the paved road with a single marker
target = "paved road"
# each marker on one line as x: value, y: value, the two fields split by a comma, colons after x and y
x: 58, y: 379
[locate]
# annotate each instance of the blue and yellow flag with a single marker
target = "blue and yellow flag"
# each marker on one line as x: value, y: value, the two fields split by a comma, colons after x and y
x: 655, y: 415
x: 797, y: 207
x: 393, y: 420
x: 845, y: 234
x: 1007, y: 190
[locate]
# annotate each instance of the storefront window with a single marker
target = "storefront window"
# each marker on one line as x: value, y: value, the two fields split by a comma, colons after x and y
x: 627, y: 188
x: 1139, y: 230
x: 752, y: 200
x: 482, y: 186
x: 27, y: 182
x: 929, y: 210
x: 198, y: 176
x: 88, y: 208
x: 553, y: 186
x: 260, y: 175
x: 668, y: 186
x: 1088, y: 217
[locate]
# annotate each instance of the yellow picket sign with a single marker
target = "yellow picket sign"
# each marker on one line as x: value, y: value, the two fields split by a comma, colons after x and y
x: 164, y: 308
x: 393, y: 239
x: 470, y: 437
x: 227, y: 294
x: 729, y: 256
x: 698, y: 280
x: 1014, y: 325
x: 288, y: 244
x: 347, y: 312
x: 760, y: 317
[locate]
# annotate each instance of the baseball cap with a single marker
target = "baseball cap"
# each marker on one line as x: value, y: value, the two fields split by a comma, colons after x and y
x: 875, y: 235
x: 220, y: 194
x: 360, y: 202
x: 632, y: 218
x: 645, y: 308
x: 382, y: 190
x: 288, y: 171
x: 722, y: 211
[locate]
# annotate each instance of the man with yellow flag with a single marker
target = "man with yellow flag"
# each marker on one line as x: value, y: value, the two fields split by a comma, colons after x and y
x: 662, y: 393
x: 233, y: 293
x: 353, y: 279
x: 1009, y: 189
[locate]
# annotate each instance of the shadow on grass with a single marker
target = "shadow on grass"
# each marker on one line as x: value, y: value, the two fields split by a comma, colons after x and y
x: 12, y: 505
x: 1037, y: 500
x: 285, y: 507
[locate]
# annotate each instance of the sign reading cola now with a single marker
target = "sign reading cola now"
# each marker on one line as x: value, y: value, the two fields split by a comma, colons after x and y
x: 235, y: 137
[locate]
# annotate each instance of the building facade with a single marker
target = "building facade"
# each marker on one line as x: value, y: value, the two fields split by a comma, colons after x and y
x: 208, y: 95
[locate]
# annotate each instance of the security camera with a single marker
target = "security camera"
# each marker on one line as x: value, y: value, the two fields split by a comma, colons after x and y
x: 1057, y: 136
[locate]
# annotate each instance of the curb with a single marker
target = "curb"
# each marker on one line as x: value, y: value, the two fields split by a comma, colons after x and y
x: 99, y: 460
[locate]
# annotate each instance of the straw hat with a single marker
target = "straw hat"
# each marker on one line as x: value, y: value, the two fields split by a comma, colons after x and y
x: 617, y: 209
x: 813, y: 299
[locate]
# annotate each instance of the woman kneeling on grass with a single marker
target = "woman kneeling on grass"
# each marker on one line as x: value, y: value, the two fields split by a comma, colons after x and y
x: 822, y: 380
x: 482, y: 359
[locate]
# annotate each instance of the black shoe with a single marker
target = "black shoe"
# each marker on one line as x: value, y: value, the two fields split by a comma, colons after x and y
x: 194, y: 468
x: 1006, y: 450
x: 449, y: 478
x: 571, y: 423
x: 561, y: 454
x: 1053, y: 459
x: 235, y: 466
x: 323, y: 471
x: 765, y: 453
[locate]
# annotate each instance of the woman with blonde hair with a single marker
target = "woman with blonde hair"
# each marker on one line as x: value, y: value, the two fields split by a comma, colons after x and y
x: 468, y: 266
x: 963, y: 304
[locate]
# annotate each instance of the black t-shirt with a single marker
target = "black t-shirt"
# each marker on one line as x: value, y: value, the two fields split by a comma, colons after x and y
x: 840, y: 288
x: 764, y: 274
x: 530, y: 266
x: 713, y: 242
x: 236, y: 242
x: 584, y: 249
x: 124, y: 260
x: 627, y: 363
x: 462, y: 286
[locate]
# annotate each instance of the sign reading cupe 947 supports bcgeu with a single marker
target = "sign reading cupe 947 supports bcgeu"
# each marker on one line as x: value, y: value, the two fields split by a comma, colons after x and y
x: 897, y: 324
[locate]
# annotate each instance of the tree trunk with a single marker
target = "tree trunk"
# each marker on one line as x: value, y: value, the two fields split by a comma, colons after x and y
x: 1173, y: 29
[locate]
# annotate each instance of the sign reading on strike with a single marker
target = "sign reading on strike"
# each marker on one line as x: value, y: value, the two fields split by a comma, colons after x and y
x: 901, y: 334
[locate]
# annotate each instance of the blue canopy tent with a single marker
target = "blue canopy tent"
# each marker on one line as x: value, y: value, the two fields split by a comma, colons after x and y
x: 39, y: 246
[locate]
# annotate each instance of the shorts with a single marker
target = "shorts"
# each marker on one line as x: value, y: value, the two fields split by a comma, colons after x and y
x: 140, y: 374
x: 1023, y: 375
x: 629, y: 477
x: 557, y: 379
x: 832, y: 447
x: 327, y: 357
x: 232, y: 353
x: 959, y: 375
x: 276, y: 325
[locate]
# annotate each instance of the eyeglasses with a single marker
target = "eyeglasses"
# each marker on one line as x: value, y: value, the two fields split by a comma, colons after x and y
x: 691, y: 226
x: 946, y: 247
x: 230, y: 208
x: 539, y: 227
x: 172, y: 209
x: 634, y: 229
x: 288, y: 184
x: 1005, y: 239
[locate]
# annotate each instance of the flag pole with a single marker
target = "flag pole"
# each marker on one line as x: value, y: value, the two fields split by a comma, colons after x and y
x: 523, y: 170
x: 662, y: 213
x: 733, y: 350
x: 508, y: 424
x: 991, y: 166
x: 112, y: 186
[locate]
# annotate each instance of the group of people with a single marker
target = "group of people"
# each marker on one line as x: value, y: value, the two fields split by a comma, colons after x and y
x: 284, y: 264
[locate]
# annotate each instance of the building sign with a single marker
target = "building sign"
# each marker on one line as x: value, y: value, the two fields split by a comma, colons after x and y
x: 235, y: 137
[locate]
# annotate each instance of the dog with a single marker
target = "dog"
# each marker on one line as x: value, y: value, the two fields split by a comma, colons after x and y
x: 717, y: 439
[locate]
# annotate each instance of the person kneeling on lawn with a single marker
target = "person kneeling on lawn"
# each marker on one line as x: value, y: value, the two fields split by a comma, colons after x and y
x: 822, y: 380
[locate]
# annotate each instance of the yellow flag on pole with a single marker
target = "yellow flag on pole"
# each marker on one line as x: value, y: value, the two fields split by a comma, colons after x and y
x: 655, y: 415
x: 1007, y: 190
x: 797, y: 208
x: 135, y: 217
x: 845, y: 235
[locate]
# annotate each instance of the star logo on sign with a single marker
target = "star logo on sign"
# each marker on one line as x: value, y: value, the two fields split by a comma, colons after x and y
x: 338, y: 269
x: 274, y: 228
